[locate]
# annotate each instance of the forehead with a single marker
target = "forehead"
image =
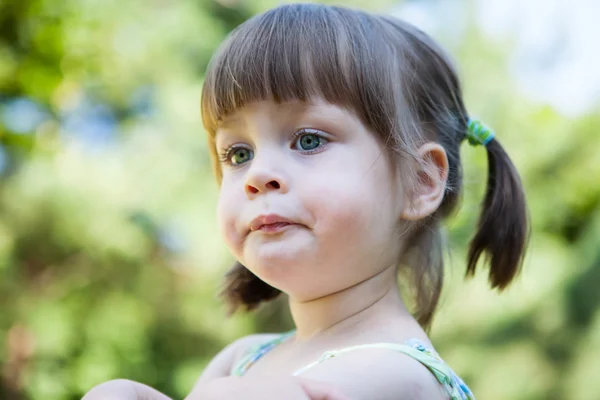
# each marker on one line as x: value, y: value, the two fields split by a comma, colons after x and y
x: 284, y: 112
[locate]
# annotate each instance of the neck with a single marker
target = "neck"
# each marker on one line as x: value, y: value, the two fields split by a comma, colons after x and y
x: 364, y: 303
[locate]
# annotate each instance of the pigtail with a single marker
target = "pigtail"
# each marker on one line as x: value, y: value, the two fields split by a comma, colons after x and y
x: 244, y: 289
x: 503, y: 227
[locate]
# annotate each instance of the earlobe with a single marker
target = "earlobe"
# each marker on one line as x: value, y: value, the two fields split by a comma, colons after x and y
x: 427, y: 191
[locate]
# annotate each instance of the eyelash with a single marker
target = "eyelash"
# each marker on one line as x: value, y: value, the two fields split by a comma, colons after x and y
x: 225, y: 155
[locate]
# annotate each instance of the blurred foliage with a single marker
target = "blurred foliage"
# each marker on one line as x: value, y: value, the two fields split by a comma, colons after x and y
x: 109, y: 264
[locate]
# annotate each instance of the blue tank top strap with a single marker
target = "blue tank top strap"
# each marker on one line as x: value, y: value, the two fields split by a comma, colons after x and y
x: 454, y: 385
x: 254, y: 353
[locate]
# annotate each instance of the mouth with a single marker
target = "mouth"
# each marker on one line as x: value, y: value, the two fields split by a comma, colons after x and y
x: 271, y: 223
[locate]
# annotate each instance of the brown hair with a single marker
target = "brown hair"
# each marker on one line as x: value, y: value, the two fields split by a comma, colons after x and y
x: 402, y: 86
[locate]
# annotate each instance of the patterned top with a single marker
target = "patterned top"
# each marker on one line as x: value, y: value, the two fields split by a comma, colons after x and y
x: 454, y: 386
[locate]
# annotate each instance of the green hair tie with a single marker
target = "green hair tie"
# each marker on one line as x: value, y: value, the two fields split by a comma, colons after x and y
x: 478, y: 133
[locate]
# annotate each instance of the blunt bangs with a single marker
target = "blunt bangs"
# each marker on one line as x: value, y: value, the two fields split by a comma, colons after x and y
x: 301, y: 52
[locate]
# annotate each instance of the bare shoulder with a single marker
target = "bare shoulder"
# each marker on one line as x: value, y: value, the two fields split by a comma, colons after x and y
x: 379, y: 374
x: 221, y: 365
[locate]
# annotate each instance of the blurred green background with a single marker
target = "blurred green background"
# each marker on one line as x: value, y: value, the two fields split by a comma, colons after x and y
x: 109, y: 258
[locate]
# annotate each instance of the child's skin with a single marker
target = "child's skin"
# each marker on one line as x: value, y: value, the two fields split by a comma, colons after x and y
x: 351, y: 207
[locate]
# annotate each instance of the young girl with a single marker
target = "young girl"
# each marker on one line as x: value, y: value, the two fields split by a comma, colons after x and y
x: 336, y: 138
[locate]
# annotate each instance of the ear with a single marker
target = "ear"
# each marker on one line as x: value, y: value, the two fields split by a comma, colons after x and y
x: 427, y: 192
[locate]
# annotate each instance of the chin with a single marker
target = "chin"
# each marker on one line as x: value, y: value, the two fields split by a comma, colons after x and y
x: 277, y: 253
x: 274, y: 268
x: 278, y: 270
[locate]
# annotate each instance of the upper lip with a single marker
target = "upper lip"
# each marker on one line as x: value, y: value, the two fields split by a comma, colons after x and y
x: 268, y: 219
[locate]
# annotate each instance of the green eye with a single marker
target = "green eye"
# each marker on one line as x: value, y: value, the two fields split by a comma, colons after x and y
x: 310, y: 141
x: 240, y: 156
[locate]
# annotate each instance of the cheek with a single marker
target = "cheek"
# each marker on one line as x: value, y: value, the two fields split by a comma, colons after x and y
x: 356, y: 192
x: 227, y: 214
x: 355, y: 209
x: 347, y: 216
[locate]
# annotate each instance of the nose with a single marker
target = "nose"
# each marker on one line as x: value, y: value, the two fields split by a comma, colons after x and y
x: 263, y: 178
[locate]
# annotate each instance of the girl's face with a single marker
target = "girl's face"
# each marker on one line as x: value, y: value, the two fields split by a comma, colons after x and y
x: 308, y: 200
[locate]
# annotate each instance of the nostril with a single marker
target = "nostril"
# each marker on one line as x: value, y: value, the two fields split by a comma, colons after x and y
x: 255, y: 189
x: 274, y: 184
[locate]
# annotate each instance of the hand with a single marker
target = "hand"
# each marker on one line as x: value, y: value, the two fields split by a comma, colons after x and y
x: 292, y: 388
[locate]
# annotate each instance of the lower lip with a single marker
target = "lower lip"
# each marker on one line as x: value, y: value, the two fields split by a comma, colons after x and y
x: 275, y: 228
